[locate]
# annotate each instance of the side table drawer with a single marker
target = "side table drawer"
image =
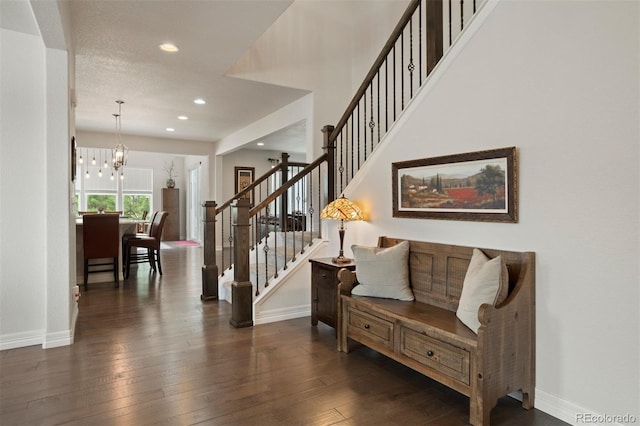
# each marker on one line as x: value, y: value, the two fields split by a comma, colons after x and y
x: 370, y: 327
x: 443, y: 357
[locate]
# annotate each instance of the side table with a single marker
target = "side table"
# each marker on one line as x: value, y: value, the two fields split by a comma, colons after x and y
x: 324, y: 289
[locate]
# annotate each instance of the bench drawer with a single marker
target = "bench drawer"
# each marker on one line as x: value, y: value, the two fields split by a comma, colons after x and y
x: 370, y: 327
x: 443, y: 357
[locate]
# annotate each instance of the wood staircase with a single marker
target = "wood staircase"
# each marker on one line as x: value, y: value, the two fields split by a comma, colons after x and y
x: 279, y: 211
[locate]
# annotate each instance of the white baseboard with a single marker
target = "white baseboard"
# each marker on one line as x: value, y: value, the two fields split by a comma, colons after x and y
x: 19, y: 340
x: 282, y: 314
x: 556, y: 407
x: 59, y: 338
x: 574, y: 414
x: 74, y: 319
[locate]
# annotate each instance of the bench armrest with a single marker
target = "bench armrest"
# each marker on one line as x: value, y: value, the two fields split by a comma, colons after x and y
x: 506, y: 341
x: 347, y: 280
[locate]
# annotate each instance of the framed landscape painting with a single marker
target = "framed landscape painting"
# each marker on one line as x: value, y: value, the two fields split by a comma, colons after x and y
x: 479, y: 186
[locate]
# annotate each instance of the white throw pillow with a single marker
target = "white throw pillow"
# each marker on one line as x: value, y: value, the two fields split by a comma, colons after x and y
x: 383, y: 272
x: 486, y: 281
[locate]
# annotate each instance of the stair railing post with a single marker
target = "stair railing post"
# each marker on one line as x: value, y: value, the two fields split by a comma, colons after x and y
x: 434, y: 36
x: 330, y: 147
x: 284, y: 170
x: 210, y: 267
x: 241, y: 288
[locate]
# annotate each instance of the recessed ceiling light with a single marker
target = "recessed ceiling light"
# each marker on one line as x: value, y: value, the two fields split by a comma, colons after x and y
x: 170, y: 129
x: 183, y: 117
x: 199, y: 101
x: 168, y: 47
x: 260, y: 143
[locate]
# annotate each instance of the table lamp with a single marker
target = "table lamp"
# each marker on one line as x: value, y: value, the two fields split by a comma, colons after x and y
x: 341, y: 209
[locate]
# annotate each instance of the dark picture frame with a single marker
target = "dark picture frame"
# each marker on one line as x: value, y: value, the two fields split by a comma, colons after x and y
x: 73, y: 158
x: 474, y: 186
x: 244, y: 177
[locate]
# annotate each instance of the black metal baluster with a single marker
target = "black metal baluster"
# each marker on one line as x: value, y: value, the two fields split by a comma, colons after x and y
x: 293, y: 256
x: 378, y: 102
x: 461, y: 15
x: 266, y: 249
x: 358, y: 133
x: 231, y: 242
x: 341, y: 167
x: 402, y: 71
x: 372, y: 123
x: 303, y: 216
x: 256, y: 225
x: 386, y: 94
x: 364, y: 123
x: 286, y: 231
x: 222, y: 268
x: 420, y: 43
x: 450, y: 24
x: 276, y: 224
x: 352, y: 148
x: 311, y: 203
x: 411, y: 66
x: 394, y: 84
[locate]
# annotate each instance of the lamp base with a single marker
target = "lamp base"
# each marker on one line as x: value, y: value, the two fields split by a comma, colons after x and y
x: 341, y: 259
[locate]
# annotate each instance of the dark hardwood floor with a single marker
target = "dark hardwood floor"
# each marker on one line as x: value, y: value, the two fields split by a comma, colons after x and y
x: 151, y: 353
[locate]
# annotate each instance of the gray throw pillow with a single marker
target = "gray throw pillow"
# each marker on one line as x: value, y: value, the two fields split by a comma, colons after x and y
x: 383, y: 272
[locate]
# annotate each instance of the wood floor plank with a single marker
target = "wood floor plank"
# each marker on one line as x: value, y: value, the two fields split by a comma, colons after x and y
x: 151, y: 353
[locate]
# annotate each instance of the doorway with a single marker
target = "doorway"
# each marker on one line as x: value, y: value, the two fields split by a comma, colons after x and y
x: 195, y: 205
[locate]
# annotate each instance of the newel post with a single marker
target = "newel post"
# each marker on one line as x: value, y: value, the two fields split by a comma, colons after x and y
x: 241, y: 288
x: 284, y: 202
x: 210, y: 268
x: 330, y: 147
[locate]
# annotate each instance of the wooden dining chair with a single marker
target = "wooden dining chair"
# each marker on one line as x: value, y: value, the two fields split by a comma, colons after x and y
x: 100, y: 238
x: 138, y: 234
x: 150, y: 242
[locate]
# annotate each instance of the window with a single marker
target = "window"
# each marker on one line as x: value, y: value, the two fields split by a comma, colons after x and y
x: 100, y: 192
x: 132, y: 195
x: 137, y: 190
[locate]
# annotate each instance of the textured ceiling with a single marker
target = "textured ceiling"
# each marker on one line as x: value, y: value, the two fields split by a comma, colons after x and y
x: 118, y: 57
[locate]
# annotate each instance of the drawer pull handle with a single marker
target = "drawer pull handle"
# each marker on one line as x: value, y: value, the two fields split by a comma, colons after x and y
x: 429, y: 353
x: 324, y: 275
x: 367, y: 326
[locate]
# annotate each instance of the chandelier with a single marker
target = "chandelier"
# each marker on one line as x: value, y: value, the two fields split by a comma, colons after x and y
x: 120, y: 151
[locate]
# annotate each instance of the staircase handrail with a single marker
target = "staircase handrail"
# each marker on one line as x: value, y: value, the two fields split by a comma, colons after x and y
x: 386, y: 49
x: 255, y: 184
x: 283, y: 188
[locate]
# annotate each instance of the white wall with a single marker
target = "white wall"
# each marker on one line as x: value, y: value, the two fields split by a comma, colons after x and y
x: 23, y: 209
x: 312, y: 46
x: 300, y: 110
x: 35, y: 280
x: 59, y: 303
x: 558, y: 80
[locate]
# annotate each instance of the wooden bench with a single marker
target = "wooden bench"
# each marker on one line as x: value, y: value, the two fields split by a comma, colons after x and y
x: 427, y: 336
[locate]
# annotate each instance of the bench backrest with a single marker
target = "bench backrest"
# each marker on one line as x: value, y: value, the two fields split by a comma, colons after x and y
x: 437, y: 271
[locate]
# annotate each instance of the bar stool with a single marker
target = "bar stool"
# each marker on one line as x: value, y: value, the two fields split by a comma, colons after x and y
x: 150, y: 242
x: 100, y: 241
